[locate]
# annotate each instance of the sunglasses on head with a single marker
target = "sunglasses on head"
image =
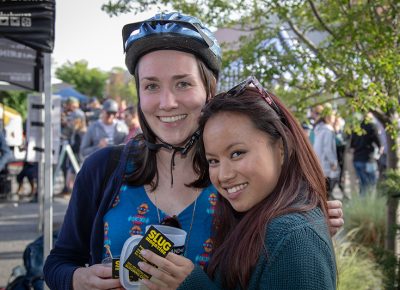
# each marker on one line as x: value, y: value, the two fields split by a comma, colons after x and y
x: 253, y: 82
x: 171, y: 221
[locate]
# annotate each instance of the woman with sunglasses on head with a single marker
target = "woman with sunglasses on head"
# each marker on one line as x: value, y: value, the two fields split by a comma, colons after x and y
x: 176, y: 61
x: 270, y: 224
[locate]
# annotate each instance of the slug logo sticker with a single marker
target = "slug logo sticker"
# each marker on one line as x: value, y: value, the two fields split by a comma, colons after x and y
x: 154, y: 241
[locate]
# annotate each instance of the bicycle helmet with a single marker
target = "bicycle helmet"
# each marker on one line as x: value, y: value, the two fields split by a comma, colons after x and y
x: 173, y: 31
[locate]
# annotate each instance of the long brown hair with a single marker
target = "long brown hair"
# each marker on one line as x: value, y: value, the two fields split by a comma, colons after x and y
x: 239, y: 237
x: 145, y: 159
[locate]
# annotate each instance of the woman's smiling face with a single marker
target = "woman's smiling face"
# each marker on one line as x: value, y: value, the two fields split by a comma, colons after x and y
x: 172, y: 94
x: 244, y: 163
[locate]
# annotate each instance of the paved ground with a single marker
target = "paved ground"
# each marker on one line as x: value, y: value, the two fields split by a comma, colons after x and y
x: 19, y: 226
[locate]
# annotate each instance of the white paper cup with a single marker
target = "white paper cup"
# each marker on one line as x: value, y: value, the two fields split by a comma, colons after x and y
x: 123, y: 272
x: 177, y: 236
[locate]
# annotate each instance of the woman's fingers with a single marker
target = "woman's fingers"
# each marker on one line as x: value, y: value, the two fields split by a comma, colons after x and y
x: 163, y: 277
x: 155, y: 259
x: 180, y: 261
x: 96, y: 277
x: 334, y: 205
x: 335, y: 213
x: 171, y: 270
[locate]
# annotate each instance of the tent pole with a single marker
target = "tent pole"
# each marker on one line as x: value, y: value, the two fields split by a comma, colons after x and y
x: 48, y: 162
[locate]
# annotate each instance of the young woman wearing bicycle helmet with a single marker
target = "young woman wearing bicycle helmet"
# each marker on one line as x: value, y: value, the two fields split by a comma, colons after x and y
x: 176, y: 61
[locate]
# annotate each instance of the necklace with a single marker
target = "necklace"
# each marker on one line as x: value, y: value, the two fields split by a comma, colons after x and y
x: 191, y: 222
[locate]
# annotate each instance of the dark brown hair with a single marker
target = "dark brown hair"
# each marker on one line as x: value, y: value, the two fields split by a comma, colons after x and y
x: 145, y: 159
x: 131, y: 110
x: 239, y: 237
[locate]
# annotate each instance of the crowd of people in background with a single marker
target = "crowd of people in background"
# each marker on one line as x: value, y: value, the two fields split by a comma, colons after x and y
x: 97, y: 126
x: 85, y: 128
x: 94, y: 125
x: 330, y: 142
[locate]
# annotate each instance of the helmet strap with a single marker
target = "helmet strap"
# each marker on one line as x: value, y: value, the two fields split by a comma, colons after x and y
x: 182, y: 150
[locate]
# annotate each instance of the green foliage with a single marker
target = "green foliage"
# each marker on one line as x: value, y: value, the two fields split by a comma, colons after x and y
x: 343, y: 51
x: 128, y: 92
x: 366, y: 225
x: 367, y: 215
x: 390, y: 185
x: 122, y: 85
x: 388, y: 264
x: 90, y: 82
x: 356, y: 267
x: 17, y: 100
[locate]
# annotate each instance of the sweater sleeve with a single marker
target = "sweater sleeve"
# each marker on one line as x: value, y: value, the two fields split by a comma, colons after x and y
x: 302, y: 260
x: 72, y: 248
x: 198, y: 280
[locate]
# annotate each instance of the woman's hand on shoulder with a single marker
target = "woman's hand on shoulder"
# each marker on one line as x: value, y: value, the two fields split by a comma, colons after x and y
x: 335, y: 212
x: 171, y: 271
x: 96, y: 277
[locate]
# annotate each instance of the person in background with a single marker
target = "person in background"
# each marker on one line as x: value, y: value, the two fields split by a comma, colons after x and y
x: 366, y: 150
x: 270, y: 221
x: 6, y: 156
x: 325, y: 147
x: 121, y: 109
x: 315, y: 119
x: 104, y: 132
x: 78, y: 124
x: 341, y: 142
x: 30, y: 171
x: 132, y: 121
x: 93, y: 112
x: 382, y: 158
x: 176, y: 61
x: 73, y: 105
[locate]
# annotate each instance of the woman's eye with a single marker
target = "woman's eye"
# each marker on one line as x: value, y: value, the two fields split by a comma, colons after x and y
x: 237, y: 154
x: 183, y: 85
x: 150, y: 87
x: 212, y: 161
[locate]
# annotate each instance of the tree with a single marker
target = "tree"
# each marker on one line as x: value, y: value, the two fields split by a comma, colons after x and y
x: 88, y: 81
x: 16, y: 100
x: 121, y: 85
x: 342, y: 51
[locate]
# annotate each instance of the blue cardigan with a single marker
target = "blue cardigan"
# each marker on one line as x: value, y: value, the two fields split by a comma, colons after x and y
x: 300, y: 257
x: 77, y: 246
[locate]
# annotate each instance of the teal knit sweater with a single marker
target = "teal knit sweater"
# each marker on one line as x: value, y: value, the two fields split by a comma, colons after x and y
x: 300, y: 257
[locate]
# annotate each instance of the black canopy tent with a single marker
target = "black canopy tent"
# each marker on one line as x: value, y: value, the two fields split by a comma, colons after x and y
x: 28, y: 29
x: 21, y: 65
x: 26, y: 42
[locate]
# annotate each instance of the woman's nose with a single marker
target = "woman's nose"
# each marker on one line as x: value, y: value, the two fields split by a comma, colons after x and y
x: 168, y: 100
x: 226, y: 171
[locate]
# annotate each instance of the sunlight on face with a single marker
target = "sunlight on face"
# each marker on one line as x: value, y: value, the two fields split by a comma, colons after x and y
x: 244, y: 165
x: 172, y: 94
